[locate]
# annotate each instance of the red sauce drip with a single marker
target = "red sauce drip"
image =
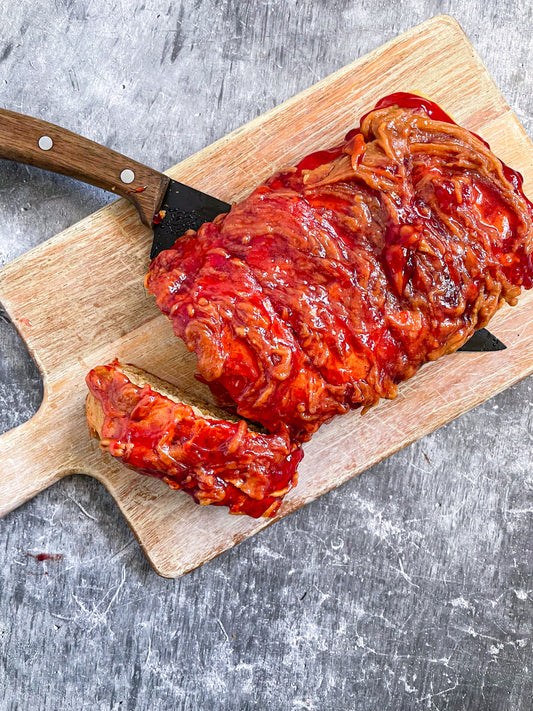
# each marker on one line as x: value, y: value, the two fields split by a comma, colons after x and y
x: 47, y: 556
x: 158, y: 217
x: 313, y: 160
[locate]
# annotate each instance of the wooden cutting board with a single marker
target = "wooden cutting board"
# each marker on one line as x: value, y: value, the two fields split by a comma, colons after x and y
x: 78, y: 301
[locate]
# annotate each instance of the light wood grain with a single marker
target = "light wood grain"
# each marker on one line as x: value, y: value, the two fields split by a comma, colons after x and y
x: 78, y: 300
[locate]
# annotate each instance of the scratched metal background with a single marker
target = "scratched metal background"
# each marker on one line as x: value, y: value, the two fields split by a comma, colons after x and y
x: 407, y: 588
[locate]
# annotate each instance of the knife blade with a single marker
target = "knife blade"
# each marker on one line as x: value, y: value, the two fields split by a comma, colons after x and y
x: 482, y: 341
x: 182, y: 208
x: 167, y: 206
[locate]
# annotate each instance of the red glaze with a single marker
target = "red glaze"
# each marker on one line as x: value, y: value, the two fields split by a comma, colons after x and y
x: 215, y: 461
x: 402, y: 99
x: 337, y: 279
x: 434, y: 111
x: 418, y: 103
x: 333, y: 282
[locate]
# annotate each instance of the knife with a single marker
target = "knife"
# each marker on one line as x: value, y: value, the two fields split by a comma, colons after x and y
x: 167, y: 206
x: 170, y: 208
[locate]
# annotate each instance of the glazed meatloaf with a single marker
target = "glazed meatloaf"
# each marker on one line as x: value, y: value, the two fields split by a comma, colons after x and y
x: 338, y: 278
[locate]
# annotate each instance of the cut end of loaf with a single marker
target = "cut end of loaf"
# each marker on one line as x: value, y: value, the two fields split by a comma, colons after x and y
x: 141, y: 378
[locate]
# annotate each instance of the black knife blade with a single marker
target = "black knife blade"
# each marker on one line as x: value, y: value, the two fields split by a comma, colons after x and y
x: 183, y: 208
x: 483, y: 341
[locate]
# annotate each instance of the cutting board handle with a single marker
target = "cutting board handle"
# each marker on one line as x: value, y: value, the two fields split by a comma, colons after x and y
x: 31, y: 460
x: 44, y: 145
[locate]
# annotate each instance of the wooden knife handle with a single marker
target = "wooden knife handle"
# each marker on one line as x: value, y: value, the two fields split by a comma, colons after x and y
x: 44, y: 145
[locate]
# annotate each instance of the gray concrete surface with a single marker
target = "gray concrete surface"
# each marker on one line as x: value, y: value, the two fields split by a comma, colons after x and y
x: 410, y: 587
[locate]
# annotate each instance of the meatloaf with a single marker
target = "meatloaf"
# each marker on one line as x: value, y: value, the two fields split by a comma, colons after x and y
x: 337, y: 279
x: 329, y: 285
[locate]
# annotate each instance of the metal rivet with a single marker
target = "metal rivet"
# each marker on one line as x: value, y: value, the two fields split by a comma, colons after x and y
x: 127, y: 176
x: 45, y: 143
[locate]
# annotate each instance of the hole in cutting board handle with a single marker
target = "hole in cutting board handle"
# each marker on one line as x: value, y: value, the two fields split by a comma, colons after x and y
x: 21, y: 385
